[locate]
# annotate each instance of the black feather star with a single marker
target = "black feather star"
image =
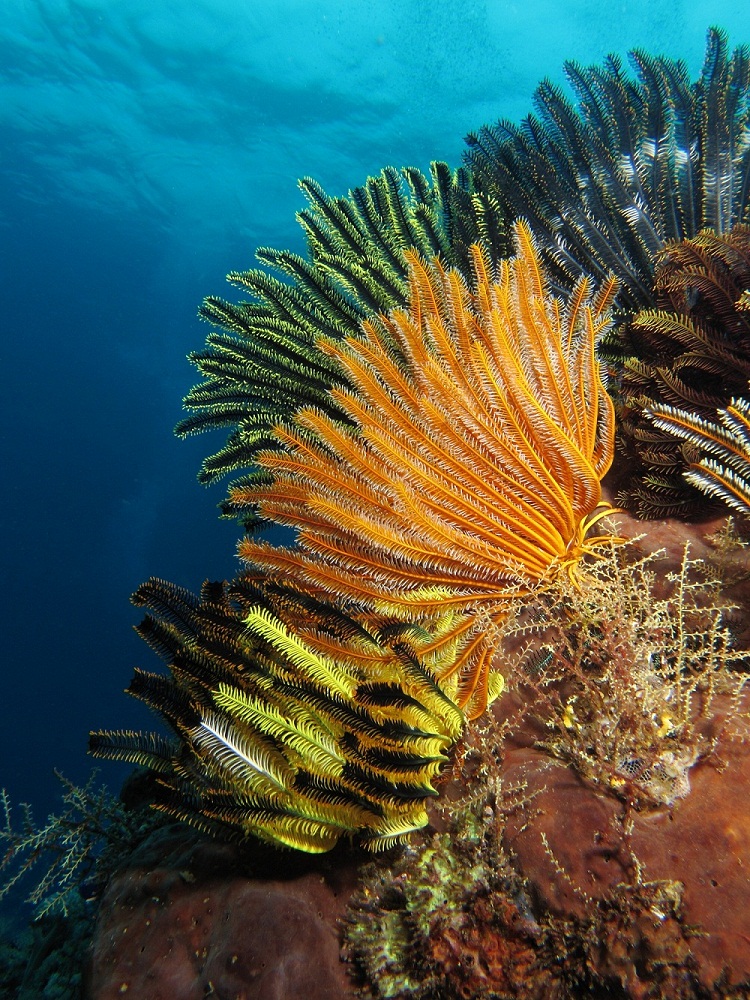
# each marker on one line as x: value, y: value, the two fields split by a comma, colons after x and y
x: 288, y: 720
x: 632, y: 163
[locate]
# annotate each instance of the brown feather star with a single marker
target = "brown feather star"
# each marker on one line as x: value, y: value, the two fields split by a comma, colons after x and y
x: 481, y: 431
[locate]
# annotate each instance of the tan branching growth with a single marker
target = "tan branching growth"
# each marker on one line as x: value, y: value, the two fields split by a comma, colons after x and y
x: 67, y: 848
x: 633, y: 688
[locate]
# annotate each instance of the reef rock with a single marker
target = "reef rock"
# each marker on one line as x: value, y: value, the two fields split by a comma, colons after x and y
x: 199, y: 926
x: 665, y: 892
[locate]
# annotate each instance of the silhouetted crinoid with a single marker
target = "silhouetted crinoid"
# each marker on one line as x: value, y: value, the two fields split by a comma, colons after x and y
x: 691, y: 353
x: 605, y: 181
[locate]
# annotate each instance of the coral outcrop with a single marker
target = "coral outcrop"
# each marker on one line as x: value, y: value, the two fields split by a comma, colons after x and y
x: 187, y: 919
x: 552, y: 876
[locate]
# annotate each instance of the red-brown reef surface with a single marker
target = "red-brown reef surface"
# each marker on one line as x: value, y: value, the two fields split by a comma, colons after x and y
x: 199, y: 925
x: 623, y: 903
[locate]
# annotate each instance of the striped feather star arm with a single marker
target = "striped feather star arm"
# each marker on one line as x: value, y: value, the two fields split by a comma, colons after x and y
x: 478, y: 430
x: 724, y: 471
x: 691, y: 353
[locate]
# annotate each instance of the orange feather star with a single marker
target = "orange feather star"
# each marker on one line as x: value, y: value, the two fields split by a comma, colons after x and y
x: 481, y: 429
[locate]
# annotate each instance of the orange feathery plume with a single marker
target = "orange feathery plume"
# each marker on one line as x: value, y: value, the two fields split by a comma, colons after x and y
x: 481, y: 429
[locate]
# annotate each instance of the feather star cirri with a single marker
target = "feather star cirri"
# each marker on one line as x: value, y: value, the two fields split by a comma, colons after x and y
x: 481, y: 431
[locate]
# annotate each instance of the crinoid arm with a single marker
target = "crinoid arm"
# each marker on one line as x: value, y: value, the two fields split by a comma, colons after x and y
x: 724, y: 470
x: 690, y: 354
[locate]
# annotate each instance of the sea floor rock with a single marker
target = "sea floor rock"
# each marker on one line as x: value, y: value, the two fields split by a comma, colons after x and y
x: 667, y: 888
x: 559, y: 889
x: 199, y: 925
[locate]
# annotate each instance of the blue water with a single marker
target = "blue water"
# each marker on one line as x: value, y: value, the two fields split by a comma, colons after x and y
x: 146, y: 148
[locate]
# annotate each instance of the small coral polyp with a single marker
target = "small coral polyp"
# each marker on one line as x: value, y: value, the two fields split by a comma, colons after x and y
x: 479, y: 429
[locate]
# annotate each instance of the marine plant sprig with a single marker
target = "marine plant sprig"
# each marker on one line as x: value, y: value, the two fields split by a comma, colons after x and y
x: 68, y: 848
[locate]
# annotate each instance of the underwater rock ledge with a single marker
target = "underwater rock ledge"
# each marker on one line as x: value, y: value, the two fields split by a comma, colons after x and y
x: 546, y: 887
x: 185, y: 919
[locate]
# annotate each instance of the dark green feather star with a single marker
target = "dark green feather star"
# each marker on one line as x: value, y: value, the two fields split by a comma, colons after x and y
x: 263, y: 362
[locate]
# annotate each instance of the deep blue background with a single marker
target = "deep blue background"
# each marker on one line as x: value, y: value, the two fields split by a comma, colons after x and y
x: 145, y: 150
